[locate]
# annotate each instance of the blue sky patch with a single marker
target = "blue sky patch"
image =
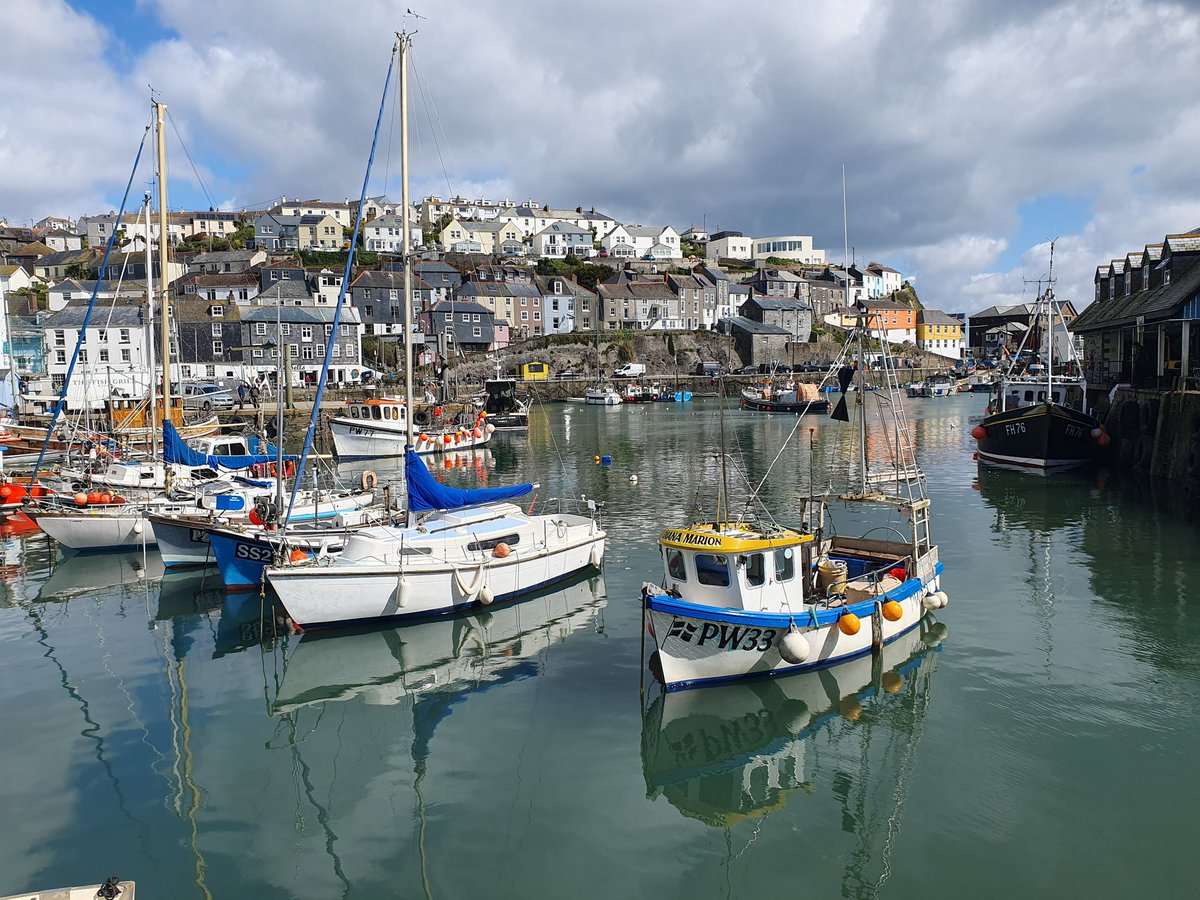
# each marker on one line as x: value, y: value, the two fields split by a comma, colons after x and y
x: 1044, y: 219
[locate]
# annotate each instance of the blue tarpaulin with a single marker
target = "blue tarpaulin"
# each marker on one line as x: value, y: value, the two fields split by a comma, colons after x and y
x: 177, y: 452
x: 426, y: 493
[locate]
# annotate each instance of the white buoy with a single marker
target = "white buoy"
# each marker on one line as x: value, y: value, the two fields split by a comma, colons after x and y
x: 597, y: 556
x: 942, y: 599
x: 402, y: 592
x: 633, y: 479
x: 794, y: 646
x: 930, y: 601
x: 137, y: 527
x: 486, y: 596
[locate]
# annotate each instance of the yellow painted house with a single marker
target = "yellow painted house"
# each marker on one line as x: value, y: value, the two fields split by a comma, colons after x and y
x: 491, y: 236
x: 939, y: 333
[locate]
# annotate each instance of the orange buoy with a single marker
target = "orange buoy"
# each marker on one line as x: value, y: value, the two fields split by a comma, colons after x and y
x: 447, y: 438
x: 118, y: 500
x: 297, y: 555
x: 501, y: 550
x: 81, y: 499
x: 979, y: 432
x: 437, y: 411
x: 5, y: 491
x: 893, y: 611
x: 849, y: 624
x: 106, y: 497
x: 422, y: 437
x: 477, y: 433
x: 93, y: 497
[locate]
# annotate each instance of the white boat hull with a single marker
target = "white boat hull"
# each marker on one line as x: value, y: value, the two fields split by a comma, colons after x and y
x: 700, y: 645
x: 99, y: 531
x: 325, y: 596
x: 355, y: 439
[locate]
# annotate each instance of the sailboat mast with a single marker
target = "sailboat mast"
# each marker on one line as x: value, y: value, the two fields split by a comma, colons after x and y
x: 149, y: 336
x: 404, y: 231
x: 1050, y: 328
x: 165, y: 318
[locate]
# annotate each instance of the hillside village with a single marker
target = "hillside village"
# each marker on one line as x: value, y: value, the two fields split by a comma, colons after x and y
x: 487, y: 276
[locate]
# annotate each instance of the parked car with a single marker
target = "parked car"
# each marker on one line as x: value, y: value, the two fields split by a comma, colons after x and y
x: 205, y: 396
x: 630, y: 370
x: 709, y: 368
x: 747, y: 370
x: 568, y: 375
x: 774, y: 367
x: 603, y: 254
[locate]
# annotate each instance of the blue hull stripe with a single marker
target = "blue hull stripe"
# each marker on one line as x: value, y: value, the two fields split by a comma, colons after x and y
x: 675, y: 606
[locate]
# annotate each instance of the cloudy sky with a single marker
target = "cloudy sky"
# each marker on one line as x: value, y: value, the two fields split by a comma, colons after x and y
x: 971, y: 132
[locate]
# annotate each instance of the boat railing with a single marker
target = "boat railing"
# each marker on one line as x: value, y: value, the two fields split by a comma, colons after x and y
x: 577, y: 505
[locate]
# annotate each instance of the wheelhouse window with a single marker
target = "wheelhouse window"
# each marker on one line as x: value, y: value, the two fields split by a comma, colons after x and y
x: 756, y: 570
x: 785, y: 564
x: 675, y: 566
x: 712, y: 569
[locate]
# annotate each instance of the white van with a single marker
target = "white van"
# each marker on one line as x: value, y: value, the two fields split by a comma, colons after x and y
x: 630, y: 370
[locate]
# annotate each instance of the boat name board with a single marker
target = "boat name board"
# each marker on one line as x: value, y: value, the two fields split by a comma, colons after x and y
x: 686, y: 538
x: 727, y: 637
x: 691, y: 539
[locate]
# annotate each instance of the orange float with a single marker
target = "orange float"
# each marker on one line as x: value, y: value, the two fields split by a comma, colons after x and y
x: 81, y: 499
x: 893, y: 611
x: 849, y: 624
x: 501, y: 550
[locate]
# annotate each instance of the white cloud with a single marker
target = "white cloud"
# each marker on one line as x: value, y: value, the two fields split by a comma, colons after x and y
x: 948, y: 117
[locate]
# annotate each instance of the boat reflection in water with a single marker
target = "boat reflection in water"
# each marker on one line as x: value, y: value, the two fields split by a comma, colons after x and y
x: 446, y: 655
x: 74, y: 574
x: 737, y: 751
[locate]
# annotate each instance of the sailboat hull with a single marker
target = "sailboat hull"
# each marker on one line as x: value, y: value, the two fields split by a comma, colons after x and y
x: 1044, y: 438
x: 84, y: 532
x: 318, y: 596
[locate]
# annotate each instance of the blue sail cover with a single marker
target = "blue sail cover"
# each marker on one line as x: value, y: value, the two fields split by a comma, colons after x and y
x: 177, y: 452
x: 426, y: 493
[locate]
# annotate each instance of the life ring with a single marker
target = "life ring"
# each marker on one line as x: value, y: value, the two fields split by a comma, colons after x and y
x: 421, y: 418
x: 368, y: 480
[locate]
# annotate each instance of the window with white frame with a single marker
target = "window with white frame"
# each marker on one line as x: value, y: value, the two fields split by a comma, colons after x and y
x: 216, y: 329
x: 337, y: 350
x: 306, y: 332
x: 125, y: 356
x: 218, y: 348
x: 308, y: 351
x: 286, y: 328
x: 476, y: 331
x: 345, y: 330
x: 256, y: 353
x: 293, y: 350
x: 260, y: 328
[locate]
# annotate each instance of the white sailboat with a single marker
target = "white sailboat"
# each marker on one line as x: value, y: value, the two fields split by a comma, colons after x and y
x: 460, y: 548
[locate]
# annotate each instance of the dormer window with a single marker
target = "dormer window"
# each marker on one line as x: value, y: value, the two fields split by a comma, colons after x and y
x: 1166, y: 276
x: 1112, y: 288
x: 1146, y: 277
x: 216, y: 311
x: 1128, y: 283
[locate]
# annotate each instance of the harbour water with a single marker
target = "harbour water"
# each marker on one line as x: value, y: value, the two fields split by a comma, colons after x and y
x: 1040, y: 742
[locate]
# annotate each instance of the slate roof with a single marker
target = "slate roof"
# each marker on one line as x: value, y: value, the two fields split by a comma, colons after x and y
x: 784, y: 303
x: 936, y: 317
x: 285, y: 289
x: 198, y: 311
x: 753, y: 326
x: 1156, y: 304
x: 223, y: 256
x: 123, y: 315
x: 637, y: 290
x: 1182, y: 243
x: 564, y: 228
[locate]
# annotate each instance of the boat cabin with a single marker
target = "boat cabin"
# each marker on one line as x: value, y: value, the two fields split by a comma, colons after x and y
x: 1019, y: 393
x: 736, y: 566
x: 388, y: 411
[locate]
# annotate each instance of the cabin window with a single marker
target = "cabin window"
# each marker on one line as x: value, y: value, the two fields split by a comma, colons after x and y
x: 712, y: 569
x: 1029, y: 396
x: 785, y: 564
x: 675, y: 567
x: 1041, y: 395
x: 756, y: 570
x: 490, y: 544
x: 375, y: 412
x: 354, y: 412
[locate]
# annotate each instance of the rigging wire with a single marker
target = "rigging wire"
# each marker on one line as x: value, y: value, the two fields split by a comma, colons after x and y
x: 204, y: 187
x: 427, y: 101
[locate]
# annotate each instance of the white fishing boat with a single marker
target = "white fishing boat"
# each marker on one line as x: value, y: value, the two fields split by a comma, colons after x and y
x: 378, y: 427
x: 742, y: 598
x: 938, y: 385
x: 465, y: 548
x: 602, y: 395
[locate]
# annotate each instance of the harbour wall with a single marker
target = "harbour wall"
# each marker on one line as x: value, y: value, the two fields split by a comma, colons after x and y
x: 1155, y: 433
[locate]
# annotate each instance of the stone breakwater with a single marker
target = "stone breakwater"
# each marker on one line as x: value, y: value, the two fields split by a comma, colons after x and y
x: 1156, y: 433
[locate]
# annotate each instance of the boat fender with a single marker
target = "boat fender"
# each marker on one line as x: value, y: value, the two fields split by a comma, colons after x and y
x: 1096, y: 432
x: 979, y: 432
x: 137, y: 527
x: 929, y: 601
x: 794, y: 647
x: 501, y: 550
x: 486, y: 596
x: 597, y: 556
x: 633, y: 479
x: 402, y: 592
x: 942, y: 599
x: 368, y: 480
x: 849, y: 624
x: 893, y: 611
x: 491, y: 429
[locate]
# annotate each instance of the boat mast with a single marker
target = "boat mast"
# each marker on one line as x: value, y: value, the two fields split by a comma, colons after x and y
x: 1050, y: 328
x: 159, y: 111
x: 149, y: 337
x: 403, y: 39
